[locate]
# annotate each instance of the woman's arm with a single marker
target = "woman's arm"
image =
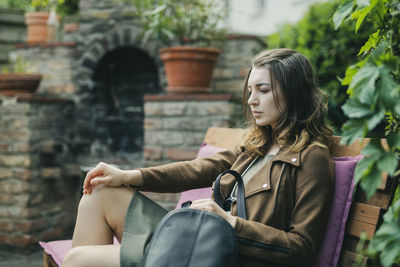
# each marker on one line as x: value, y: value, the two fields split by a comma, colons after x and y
x: 185, y: 175
x: 173, y: 177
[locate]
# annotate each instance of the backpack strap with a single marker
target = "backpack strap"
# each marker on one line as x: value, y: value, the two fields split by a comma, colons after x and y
x: 241, y: 207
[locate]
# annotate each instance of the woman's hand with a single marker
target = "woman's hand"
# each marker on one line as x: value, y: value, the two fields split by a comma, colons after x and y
x: 111, y: 176
x: 210, y: 205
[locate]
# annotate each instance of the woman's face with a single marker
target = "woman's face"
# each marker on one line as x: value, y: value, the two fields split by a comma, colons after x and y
x: 261, y: 100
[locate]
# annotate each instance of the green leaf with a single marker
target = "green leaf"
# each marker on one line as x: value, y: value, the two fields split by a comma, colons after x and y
x: 359, y: 15
x: 387, y: 87
x: 393, y: 140
x: 355, y: 109
x: 350, y: 72
x: 388, y: 163
x: 371, y: 180
x: 352, y: 130
x: 373, y: 40
x: 342, y: 12
x: 363, y: 83
x: 364, y: 167
x: 373, y: 121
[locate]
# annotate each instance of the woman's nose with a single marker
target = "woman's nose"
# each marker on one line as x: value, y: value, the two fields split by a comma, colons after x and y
x: 252, y: 99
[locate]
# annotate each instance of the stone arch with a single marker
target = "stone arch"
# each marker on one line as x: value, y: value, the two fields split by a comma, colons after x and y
x: 111, y: 129
x: 99, y: 45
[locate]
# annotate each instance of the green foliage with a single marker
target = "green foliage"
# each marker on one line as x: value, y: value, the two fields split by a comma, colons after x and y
x: 62, y: 7
x: 181, y: 22
x: 374, y: 89
x: 329, y: 51
x: 17, y: 65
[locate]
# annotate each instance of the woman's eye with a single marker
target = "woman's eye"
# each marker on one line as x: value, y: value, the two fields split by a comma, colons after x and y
x: 265, y: 90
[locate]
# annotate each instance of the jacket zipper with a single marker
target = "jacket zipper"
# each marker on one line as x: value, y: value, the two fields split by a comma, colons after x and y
x: 260, y: 245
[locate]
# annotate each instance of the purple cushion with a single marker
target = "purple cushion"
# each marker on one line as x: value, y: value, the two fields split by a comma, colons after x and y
x: 204, y: 151
x: 344, y: 187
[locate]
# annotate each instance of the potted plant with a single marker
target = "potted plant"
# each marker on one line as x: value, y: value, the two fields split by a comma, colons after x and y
x: 20, y: 80
x: 189, y: 30
x: 36, y: 19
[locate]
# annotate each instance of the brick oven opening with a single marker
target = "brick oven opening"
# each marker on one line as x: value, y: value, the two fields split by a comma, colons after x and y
x: 121, y: 78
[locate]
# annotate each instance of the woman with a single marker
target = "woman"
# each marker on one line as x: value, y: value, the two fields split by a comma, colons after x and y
x: 284, y: 161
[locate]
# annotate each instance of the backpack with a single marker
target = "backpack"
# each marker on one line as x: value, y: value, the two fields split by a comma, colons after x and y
x: 193, y: 238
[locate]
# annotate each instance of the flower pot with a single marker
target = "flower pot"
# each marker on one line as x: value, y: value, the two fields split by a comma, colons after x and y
x: 188, y: 69
x: 17, y: 83
x: 37, y: 29
x: 36, y: 23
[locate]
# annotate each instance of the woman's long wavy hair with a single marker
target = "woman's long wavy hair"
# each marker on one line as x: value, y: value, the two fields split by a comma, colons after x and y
x: 303, y: 118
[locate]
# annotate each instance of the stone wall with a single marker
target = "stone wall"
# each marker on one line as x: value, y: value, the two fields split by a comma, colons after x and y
x: 39, y: 178
x: 56, y: 62
x: 234, y: 63
x: 175, y: 126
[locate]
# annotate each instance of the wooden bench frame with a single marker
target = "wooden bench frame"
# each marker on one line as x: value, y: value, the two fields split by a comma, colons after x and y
x: 365, y: 214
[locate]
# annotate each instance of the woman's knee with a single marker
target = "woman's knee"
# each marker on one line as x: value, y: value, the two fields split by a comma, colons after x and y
x: 100, y: 194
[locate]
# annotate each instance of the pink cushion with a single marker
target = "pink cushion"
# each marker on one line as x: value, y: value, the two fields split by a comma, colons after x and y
x: 343, y: 194
x: 58, y: 249
x: 204, y: 151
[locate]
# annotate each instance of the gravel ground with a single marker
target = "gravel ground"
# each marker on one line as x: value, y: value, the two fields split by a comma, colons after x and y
x: 14, y: 259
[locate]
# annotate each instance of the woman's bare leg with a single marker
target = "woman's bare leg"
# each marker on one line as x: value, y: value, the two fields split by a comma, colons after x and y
x: 100, y: 216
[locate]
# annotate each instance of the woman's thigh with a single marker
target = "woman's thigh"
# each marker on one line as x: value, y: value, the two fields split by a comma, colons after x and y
x: 96, y: 256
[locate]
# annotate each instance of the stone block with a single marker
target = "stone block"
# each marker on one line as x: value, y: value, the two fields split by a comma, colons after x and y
x: 6, y: 226
x: 153, y: 109
x: 154, y: 153
x: 51, y: 173
x: 174, y: 108
x: 6, y: 173
x: 51, y: 234
x: 15, y: 160
x: 20, y: 136
x: 172, y: 138
x: 177, y: 154
x: 14, y: 198
x: 153, y: 123
x: 23, y: 240
x: 186, y: 123
x: 207, y: 108
x: 14, y: 186
x: 4, y: 148
x: 21, y: 147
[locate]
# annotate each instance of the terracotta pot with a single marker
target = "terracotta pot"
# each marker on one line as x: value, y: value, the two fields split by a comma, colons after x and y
x: 17, y: 83
x: 36, y: 23
x: 189, y: 69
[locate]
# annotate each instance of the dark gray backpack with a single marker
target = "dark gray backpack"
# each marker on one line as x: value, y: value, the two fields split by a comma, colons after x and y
x: 193, y: 238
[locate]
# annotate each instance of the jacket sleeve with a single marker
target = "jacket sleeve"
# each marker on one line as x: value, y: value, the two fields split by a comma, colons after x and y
x: 186, y: 175
x: 299, y: 245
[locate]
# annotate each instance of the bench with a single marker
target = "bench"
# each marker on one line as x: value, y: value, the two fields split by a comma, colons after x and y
x: 364, y: 215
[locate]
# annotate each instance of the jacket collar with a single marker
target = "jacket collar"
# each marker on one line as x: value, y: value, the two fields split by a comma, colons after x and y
x: 288, y: 156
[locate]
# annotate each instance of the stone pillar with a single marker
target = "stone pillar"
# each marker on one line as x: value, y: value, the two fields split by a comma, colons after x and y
x: 39, y: 188
x: 175, y: 126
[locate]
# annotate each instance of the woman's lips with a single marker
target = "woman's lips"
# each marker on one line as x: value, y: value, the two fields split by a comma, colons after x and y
x: 256, y: 113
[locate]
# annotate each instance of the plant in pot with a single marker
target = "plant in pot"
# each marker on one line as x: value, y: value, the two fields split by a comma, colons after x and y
x: 41, y: 20
x: 189, y: 30
x: 20, y: 80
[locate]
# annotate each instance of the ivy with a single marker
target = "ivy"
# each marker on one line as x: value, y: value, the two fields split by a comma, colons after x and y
x: 374, y: 100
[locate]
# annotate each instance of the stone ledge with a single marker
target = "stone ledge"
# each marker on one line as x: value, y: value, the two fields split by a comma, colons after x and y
x: 36, y: 98
x: 188, y: 97
x: 50, y: 45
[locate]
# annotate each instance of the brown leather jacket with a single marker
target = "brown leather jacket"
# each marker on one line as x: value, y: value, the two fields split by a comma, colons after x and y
x: 287, y: 200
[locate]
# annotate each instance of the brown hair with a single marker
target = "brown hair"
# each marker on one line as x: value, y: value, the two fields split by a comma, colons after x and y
x: 303, y: 119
